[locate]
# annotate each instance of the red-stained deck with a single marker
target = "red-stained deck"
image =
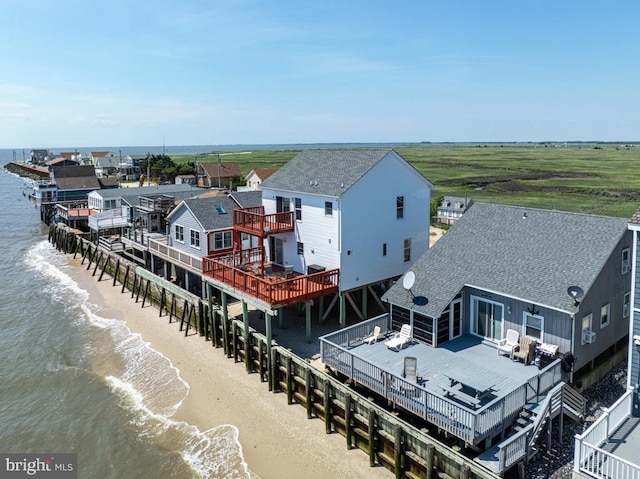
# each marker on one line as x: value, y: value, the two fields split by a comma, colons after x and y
x: 276, y: 289
x: 254, y: 222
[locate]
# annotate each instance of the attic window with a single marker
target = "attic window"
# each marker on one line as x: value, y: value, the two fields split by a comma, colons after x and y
x: 220, y: 210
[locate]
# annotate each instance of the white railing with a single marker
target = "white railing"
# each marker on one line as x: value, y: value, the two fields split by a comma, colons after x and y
x: 466, y: 424
x: 172, y: 254
x: 590, y: 459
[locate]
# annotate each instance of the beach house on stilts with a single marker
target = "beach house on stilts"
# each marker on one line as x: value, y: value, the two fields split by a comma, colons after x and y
x: 334, y: 226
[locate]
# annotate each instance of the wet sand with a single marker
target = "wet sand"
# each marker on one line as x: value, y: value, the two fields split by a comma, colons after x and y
x: 278, y: 440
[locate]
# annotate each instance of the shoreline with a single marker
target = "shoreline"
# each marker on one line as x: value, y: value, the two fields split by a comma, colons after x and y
x: 278, y: 441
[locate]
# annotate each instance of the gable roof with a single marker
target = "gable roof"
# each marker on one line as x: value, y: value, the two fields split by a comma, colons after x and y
x: 76, y: 177
x: 247, y: 199
x: 131, y: 195
x: 328, y: 172
x: 262, y: 173
x: 213, y: 213
x: 525, y: 253
x: 227, y: 170
x: 97, y: 154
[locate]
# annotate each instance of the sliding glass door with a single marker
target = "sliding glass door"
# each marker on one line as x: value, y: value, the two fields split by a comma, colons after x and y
x: 486, y: 318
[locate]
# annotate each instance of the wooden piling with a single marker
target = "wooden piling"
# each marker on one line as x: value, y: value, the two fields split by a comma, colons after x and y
x: 146, y: 293
x: 104, y: 267
x: 289, y: 380
x: 125, y: 279
x: 116, y: 272
x: 429, y: 460
x: 372, y: 437
x: 95, y: 269
x: 348, y: 420
x: 397, y: 450
x: 308, y: 392
x: 326, y: 392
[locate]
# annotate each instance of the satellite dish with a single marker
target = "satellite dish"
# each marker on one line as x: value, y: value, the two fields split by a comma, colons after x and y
x: 576, y: 293
x: 408, y: 280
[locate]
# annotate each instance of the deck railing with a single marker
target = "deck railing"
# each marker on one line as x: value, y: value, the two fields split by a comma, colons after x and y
x: 468, y: 424
x: 254, y: 221
x: 175, y: 255
x: 275, y: 292
x: 590, y: 459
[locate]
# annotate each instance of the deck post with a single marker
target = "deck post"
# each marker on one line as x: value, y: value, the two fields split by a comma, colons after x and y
x: 201, y: 322
x: 210, y: 310
x: 464, y: 471
x: 225, y: 316
x: 343, y: 316
x: 372, y: 437
x: 326, y: 391
x: 429, y: 460
x: 347, y: 419
x: 281, y: 318
x: 269, y: 334
x: 364, y: 302
x: 308, y: 317
x: 245, y: 336
x: 397, y: 450
x: 321, y: 309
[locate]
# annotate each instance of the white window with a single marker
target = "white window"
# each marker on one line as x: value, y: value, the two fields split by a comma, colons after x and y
x: 605, y: 315
x: 399, y: 207
x: 195, y: 238
x: 407, y: 250
x: 533, y: 326
x: 626, y: 305
x: 222, y: 240
x: 586, y: 325
x: 298, y: 208
x: 180, y: 233
x: 626, y: 261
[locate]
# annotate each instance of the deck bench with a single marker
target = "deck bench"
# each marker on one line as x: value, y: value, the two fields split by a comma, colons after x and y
x: 462, y: 396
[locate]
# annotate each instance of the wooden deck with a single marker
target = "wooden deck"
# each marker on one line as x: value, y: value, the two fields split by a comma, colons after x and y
x: 276, y: 289
x: 380, y: 370
x: 255, y: 222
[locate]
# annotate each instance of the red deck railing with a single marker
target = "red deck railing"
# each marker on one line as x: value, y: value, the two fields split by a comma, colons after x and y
x: 255, y: 222
x: 277, y: 292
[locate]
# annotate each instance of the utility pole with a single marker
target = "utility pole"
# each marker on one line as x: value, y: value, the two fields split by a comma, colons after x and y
x: 218, y: 170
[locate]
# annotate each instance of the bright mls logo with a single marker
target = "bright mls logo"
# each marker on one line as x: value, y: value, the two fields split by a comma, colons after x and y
x: 50, y: 466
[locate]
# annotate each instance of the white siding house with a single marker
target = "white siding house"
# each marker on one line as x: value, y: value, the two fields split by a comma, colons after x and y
x: 355, y: 209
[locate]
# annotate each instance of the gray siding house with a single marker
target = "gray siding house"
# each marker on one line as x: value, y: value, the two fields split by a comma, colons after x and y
x: 502, y: 267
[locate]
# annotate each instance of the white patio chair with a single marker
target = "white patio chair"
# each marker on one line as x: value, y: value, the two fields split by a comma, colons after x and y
x: 510, y: 341
x: 399, y: 340
x: 377, y: 334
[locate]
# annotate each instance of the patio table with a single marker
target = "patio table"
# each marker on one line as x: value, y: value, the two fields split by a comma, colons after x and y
x: 480, y: 386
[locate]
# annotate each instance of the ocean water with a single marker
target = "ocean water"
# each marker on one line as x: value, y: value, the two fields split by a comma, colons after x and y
x: 73, y: 380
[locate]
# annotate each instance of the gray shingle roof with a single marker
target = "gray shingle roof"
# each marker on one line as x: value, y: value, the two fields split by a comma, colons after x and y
x: 328, y: 172
x: 204, y: 209
x: 247, y: 199
x: 496, y: 248
x: 131, y: 195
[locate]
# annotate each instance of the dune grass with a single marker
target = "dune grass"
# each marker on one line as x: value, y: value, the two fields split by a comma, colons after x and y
x: 593, y: 178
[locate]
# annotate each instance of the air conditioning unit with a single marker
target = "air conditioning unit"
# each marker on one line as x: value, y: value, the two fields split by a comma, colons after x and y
x: 589, y: 336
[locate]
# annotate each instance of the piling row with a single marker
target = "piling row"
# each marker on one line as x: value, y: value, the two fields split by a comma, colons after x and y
x: 388, y: 441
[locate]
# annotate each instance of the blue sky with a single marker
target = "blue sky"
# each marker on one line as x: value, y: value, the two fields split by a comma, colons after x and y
x: 135, y: 72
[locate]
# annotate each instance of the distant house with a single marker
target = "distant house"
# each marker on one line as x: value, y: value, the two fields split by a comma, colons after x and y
x: 106, y: 164
x: 609, y: 447
x: 74, y: 183
x: 185, y: 180
x: 257, y: 176
x: 104, y: 200
x: 503, y: 267
x: 451, y: 208
x: 218, y: 175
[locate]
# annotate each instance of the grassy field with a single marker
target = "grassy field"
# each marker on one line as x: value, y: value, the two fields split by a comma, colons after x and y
x: 587, y: 178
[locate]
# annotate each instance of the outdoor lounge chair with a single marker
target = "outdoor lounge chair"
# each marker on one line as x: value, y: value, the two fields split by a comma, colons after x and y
x: 507, y: 344
x: 524, y: 350
x: 377, y: 334
x: 399, y: 340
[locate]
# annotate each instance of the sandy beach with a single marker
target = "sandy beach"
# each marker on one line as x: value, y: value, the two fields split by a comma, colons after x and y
x: 278, y: 440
